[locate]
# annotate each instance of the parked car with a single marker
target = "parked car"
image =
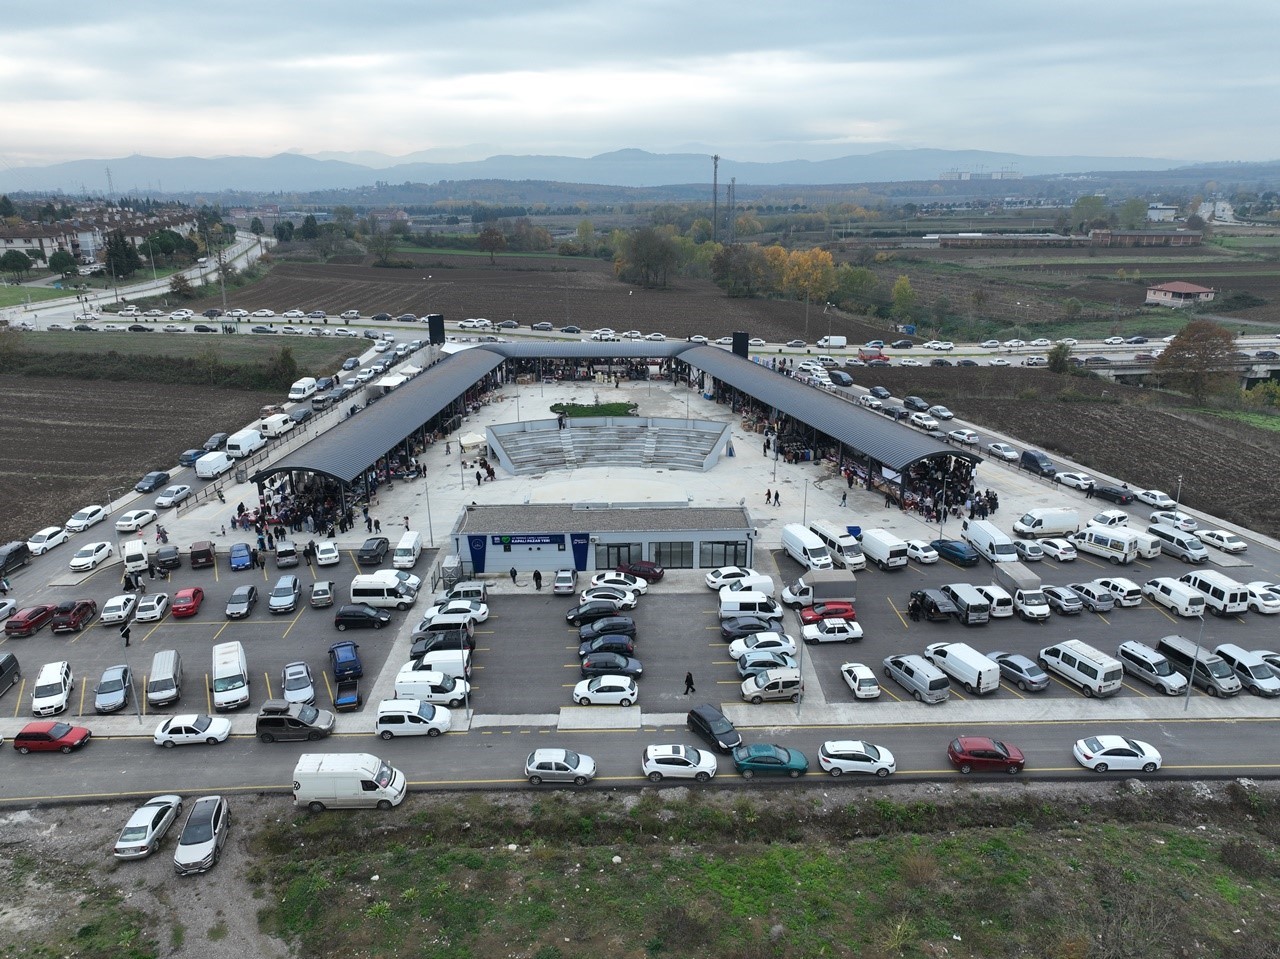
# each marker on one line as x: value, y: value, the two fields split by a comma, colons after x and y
x: 608, y: 690
x: 1021, y: 671
x: 559, y: 765
x: 90, y: 555
x: 768, y: 759
x: 360, y: 616
x: 1222, y: 540
x: 1003, y: 451
x: 921, y: 551
x: 242, y: 601
x: 374, y: 551
x: 1114, y: 494
x: 46, y: 539
x: 84, y: 518
x: 187, y: 602
x: 609, y: 625
x: 1063, y: 600
x: 73, y: 615
x: 1101, y: 753
x: 135, y: 519
x: 982, y: 754
x: 1060, y: 549
x: 839, y: 756
x: 240, y: 557
x: 659, y: 762
x: 713, y: 726
x: 50, y: 736
x: 832, y: 609
x: 609, y: 663
x: 738, y: 626
x: 565, y: 583
x: 151, y: 482
x: 147, y: 827
x: 173, y: 495
x: 113, y: 690
x: 955, y: 551
x: 200, y: 844
x: 119, y: 609
x: 861, y: 680
x: 650, y: 572
x: 152, y: 608
x: 192, y: 728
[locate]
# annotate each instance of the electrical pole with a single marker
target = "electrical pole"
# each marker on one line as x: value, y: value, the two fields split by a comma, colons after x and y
x: 715, y: 197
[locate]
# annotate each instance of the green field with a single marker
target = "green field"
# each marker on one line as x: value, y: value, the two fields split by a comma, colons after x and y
x: 18, y: 295
x: 310, y: 352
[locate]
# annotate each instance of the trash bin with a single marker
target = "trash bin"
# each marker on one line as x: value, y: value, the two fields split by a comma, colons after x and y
x: 855, y: 531
x: 242, y: 475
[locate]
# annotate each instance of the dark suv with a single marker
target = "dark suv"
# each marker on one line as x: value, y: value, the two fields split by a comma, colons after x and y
x: 915, y: 404
x: 714, y: 726
x: 374, y: 551
x: 280, y: 721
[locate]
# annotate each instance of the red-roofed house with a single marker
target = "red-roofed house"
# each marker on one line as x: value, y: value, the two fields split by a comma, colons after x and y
x: 1179, y: 294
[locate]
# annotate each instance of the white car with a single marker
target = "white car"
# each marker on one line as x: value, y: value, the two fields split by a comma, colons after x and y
x: 1076, y: 480
x: 831, y: 631
x: 188, y: 728
x: 1223, y: 540
x: 1028, y: 550
x: 998, y: 361
x: 263, y: 313
x: 1263, y: 597
x: 1154, y: 497
x: 774, y: 642
x: 1013, y: 344
x: 327, y: 553
x: 478, y: 612
x: 349, y: 315
x: 297, y: 685
x: 943, y: 345
x: 1041, y: 341
x: 909, y: 361
x: 83, y: 519
x: 921, y: 551
x: 656, y: 337
x: 119, y: 609
x: 237, y: 314
x: 1101, y: 753
x: 173, y: 328
x: 1059, y: 549
x: 342, y: 331
x: 90, y: 555
x: 840, y: 756
x: 699, y: 339
x: 135, y: 519
x: 621, y: 598
x: 180, y: 315
x: 297, y: 331
x: 1114, y: 341
x: 726, y: 575
x: 606, y: 691
x: 411, y: 717
x: 637, y: 335
x: 754, y: 341
x: 1123, y: 590
x: 7, y: 607
x: 924, y: 421
x: 46, y: 539
x: 1175, y: 519
x: 966, y: 437
x: 990, y: 344
x: 152, y: 607
x: 861, y: 680
x: 293, y: 314
x: 172, y: 496
x: 678, y: 762
x: 1003, y: 450
x: 625, y: 580
x: 1069, y: 341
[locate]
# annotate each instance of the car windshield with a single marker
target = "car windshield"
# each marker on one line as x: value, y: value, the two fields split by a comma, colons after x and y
x: 48, y: 689
x: 58, y: 730
x: 134, y: 833
x: 297, y: 680
x: 1219, y: 669
x: 308, y: 714
x: 83, y: 514
x: 112, y: 685
x: 228, y: 683
x: 84, y: 553
x: 384, y: 776
x: 447, y: 684
x: 282, y: 591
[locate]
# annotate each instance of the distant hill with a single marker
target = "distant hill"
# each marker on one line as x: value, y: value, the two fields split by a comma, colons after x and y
x: 296, y: 173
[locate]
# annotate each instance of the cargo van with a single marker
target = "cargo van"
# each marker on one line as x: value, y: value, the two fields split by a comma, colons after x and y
x: 972, y: 608
x: 1096, y: 673
x: 1251, y: 669
x: 758, y: 583
x: 229, y: 680
x: 382, y: 592
x: 972, y: 670
x: 845, y: 550
x: 1039, y: 523
x: 1223, y: 596
x: 431, y: 687
x: 164, y: 683
x: 747, y: 603
x: 451, y: 662
x: 277, y: 425
x: 1148, y: 545
x: 407, y: 550
x: 1115, y: 544
x: 832, y: 342
x: 998, y: 598
x: 884, y: 549
x: 989, y: 540
x: 1174, y: 595
x: 302, y: 388
x: 1203, y: 667
x: 244, y: 443
x: 213, y: 465
x: 135, y: 554
x: 923, y: 680
x: 1174, y: 542
x: 1139, y: 659
x: 805, y: 548
x: 347, y: 781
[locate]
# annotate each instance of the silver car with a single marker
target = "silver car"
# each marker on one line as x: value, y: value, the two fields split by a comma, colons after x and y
x: 559, y: 765
x: 113, y: 689
x: 205, y: 833
x: 147, y: 826
x: 298, y: 684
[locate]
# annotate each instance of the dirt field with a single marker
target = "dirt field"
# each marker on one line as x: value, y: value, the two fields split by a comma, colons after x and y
x: 71, y: 444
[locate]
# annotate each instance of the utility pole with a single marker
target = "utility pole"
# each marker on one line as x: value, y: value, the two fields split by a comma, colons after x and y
x: 715, y: 197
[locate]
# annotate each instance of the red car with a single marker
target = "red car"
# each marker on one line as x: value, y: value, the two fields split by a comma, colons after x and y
x: 834, y: 610
x: 646, y: 570
x: 49, y: 736
x: 73, y: 615
x: 980, y: 754
x: 186, y: 602
x: 28, y: 620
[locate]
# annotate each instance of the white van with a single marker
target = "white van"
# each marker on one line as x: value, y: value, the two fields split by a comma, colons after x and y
x: 998, y: 599
x: 1174, y: 542
x: 407, y: 550
x: 346, y: 780
x: 1174, y: 595
x: 805, y: 548
x: 135, y: 554
x: 213, y: 465
x: 277, y: 425
x: 431, y: 687
x: 758, y: 583
x: 383, y: 592
x: 229, y: 680
x: 244, y: 443
x: 1096, y: 673
x: 845, y: 550
x: 1223, y: 596
x: 164, y: 683
x: 302, y: 388
x: 989, y: 540
x: 972, y: 670
x: 451, y: 662
x: 1148, y: 545
x: 1039, y: 523
x: 1116, y: 544
x: 747, y: 603
x: 884, y: 549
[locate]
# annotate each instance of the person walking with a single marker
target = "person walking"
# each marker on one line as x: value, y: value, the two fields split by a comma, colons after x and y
x: 777, y: 497
x: 768, y: 496
x: 689, y: 688
x: 513, y: 575
x: 124, y: 633
x: 368, y: 523
x: 377, y: 526
x: 537, y: 579
x: 844, y: 498
x: 406, y: 524
x: 479, y: 477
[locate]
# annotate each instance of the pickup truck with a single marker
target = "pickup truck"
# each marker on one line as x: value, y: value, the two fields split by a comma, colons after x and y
x: 347, y: 696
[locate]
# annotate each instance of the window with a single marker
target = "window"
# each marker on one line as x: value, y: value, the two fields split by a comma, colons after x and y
x: 673, y: 555
x: 712, y: 555
x: 610, y: 555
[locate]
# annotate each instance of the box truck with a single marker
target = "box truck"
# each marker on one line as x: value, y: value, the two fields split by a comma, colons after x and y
x: 1024, y: 586
x: 347, y: 781
x: 821, y: 586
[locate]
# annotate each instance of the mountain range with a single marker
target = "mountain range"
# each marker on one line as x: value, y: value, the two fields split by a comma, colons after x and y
x: 295, y: 172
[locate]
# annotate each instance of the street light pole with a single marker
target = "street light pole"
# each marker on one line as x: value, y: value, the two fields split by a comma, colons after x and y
x: 1195, y: 664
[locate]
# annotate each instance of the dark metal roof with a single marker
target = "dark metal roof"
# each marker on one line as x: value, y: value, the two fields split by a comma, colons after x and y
x: 887, y: 442
x: 352, y: 446
x: 573, y: 350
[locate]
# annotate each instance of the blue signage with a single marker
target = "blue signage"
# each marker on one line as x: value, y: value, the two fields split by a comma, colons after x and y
x: 530, y: 539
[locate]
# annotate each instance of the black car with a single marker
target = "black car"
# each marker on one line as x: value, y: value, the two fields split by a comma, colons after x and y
x: 380, y: 317
x: 878, y: 363
x: 446, y: 640
x: 933, y: 604
x: 738, y: 626
x: 168, y: 557
x: 203, y: 328
x: 262, y: 329
x: 570, y: 329
x: 374, y: 551
x: 189, y: 457
x: 1267, y: 355
x: 371, y: 335
x: 138, y: 328
x: 967, y: 363
x: 609, y: 626
x: 1114, y: 493
x: 879, y: 392
x: 83, y: 328
x: 901, y: 345
x: 351, y: 363
x: 212, y: 313
x: 301, y: 414
x: 1136, y: 340
x: 543, y: 327
x: 589, y: 612
x: 325, y: 383
x: 840, y: 379
x: 216, y: 442
x: 508, y: 325
x: 613, y: 643
x: 957, y: 551
x: 895, y: 412
x: 713, y: 726
x: 939, y: 361
x: 406, y: 318
x: 152, y: 482
x: 360, y: 616
x: 915, y: 404
x: 611, y: 664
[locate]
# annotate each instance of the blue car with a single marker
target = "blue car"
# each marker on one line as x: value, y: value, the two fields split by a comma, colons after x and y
x: 241, y: 556
x: 189, y: 457
x: 960, y: 553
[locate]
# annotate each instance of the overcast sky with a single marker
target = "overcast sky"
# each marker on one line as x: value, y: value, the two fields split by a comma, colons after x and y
x: 809, y: 79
